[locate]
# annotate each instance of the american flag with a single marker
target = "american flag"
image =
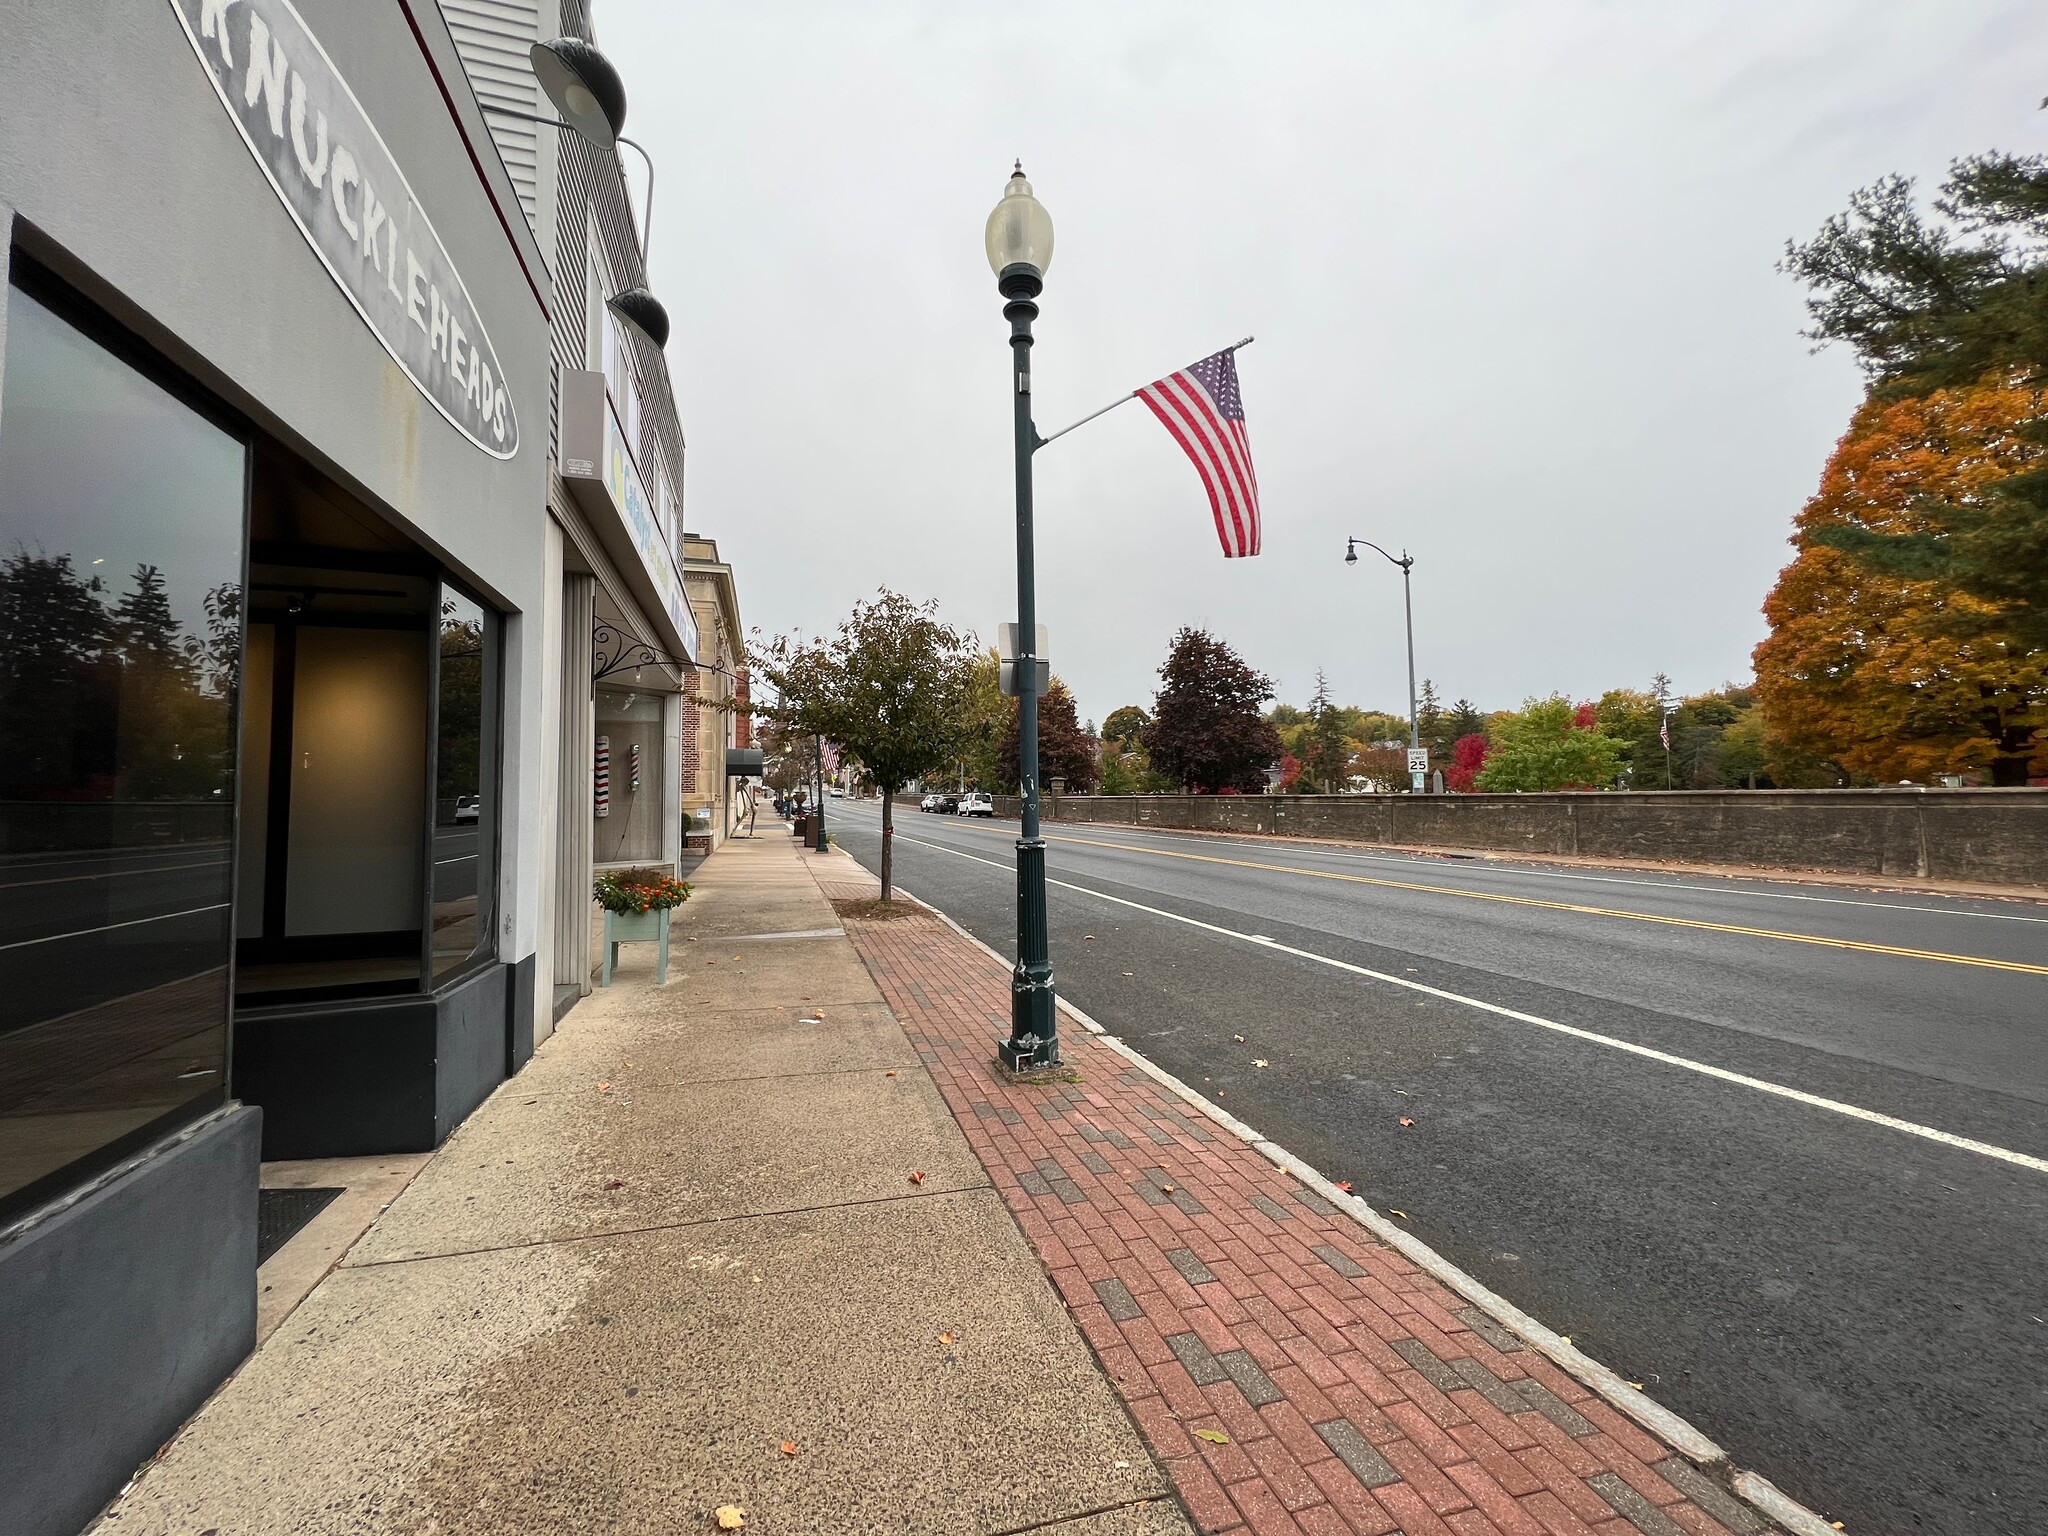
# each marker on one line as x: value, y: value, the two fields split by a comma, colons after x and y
x: 1201, y: 407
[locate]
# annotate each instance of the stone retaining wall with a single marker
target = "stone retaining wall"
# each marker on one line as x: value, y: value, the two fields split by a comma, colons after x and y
x: 1980, y: 836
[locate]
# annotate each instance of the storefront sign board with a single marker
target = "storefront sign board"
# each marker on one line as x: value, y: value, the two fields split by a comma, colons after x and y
x: 344, y: 189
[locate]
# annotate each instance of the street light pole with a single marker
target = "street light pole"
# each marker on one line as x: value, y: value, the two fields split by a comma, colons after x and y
x: 1019, y: 243
x: 1407, y: 564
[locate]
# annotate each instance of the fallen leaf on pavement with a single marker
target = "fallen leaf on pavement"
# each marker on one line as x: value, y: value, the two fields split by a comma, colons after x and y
x: 1213, y: 1436
x: 1637, y: 1385
x: 1166, y: 1189
x: 604, y: 1087
x: 945, y: 1338
x: 1345, y: 1185
x: 1260, y: 1061
x: 1088, y: 938
x: 730, y: 1517
x: 1406, y: 1121
x: 1392, y: 1212
x: 1238, y: 1038
x: 615, y: 1184
x: 1127, y: 973
x: 917, y: 1176
x: 888, y: 1074
x: 789, y: 1447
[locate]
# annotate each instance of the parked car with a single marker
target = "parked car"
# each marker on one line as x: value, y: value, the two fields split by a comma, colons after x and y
x: 977, y: 804
x: 929, y: 802
x: 836, y: 792
x: 468, y: 808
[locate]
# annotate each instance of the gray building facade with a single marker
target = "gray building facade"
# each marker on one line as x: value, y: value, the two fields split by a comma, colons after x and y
x: 275, y: 667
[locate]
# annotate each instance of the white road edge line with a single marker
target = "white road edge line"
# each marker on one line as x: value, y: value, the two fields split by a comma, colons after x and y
x: 1649, y: 1053
x: 1677, y: 1432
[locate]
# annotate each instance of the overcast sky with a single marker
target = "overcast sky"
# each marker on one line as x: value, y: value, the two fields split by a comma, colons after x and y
x: 1510, y: 268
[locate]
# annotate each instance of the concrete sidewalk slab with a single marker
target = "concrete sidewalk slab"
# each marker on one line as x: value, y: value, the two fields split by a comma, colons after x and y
x: 646, y: 1156
x: 604, y: 1310
x: 725, y: 1047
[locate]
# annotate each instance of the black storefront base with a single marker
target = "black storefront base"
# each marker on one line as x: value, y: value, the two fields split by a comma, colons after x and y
x: 119, y: 1315
x: 376, y: 1075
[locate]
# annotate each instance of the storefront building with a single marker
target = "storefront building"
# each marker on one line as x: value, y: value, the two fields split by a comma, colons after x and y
x: 713, y: 726
x: 275, y: 432
x: 621, y: 632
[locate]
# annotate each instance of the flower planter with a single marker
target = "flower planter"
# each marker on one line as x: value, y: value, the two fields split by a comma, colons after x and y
x: 635, y: 928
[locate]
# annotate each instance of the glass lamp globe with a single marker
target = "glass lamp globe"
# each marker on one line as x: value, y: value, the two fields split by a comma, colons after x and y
x: 1019, y: 229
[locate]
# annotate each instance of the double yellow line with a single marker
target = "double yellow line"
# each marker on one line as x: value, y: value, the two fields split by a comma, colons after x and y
x: 1985, y: 963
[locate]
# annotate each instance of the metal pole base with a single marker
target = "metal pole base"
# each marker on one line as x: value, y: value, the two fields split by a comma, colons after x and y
x: 1034, y: 1043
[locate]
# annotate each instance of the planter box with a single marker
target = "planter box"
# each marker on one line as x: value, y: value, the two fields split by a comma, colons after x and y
x: 635, y: 928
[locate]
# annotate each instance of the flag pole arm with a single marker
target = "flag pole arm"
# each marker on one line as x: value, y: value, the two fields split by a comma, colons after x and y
x: 1063, y: 431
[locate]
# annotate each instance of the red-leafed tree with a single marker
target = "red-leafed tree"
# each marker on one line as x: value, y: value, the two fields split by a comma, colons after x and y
x: 1290, y: 772
x: 1468, y: 756
x: 1065, y: 748
x: 1207, y: 732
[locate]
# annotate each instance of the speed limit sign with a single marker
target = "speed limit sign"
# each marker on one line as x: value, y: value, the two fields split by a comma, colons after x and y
x: 1418, y: 759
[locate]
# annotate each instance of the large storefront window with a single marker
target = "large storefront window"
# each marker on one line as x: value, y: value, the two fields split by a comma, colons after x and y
x: 121, y: 524
x: 466, y: 784
x: 629, y: 769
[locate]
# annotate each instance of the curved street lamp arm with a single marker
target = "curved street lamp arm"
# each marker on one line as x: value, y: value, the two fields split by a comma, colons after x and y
x: 647, y: 217
x: 1404, y: 562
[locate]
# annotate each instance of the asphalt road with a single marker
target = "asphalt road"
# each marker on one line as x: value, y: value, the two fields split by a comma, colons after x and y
x: 1855, y: 1307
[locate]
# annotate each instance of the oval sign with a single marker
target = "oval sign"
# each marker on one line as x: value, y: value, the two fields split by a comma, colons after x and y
x: 340, y: 183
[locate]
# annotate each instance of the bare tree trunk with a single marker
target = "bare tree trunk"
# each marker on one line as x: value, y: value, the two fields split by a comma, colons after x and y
x: 888, y: 841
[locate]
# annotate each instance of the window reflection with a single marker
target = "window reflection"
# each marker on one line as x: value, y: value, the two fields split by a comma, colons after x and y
x: 465, y: 793
x: 120, y: 646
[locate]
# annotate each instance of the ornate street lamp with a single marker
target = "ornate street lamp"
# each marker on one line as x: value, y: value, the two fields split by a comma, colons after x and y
x: 1019, y: 243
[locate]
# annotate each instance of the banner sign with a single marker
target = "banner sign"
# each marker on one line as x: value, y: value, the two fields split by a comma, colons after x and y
x: 343, y: 188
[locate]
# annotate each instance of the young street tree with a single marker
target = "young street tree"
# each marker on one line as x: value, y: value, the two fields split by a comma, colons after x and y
x: 889, y: 691
x: 1207, y: 733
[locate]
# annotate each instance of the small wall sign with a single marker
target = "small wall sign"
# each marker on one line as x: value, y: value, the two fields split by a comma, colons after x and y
x: 344, y: 189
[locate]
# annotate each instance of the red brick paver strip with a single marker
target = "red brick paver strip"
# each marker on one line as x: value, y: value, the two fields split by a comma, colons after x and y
x: 1290, y: 1372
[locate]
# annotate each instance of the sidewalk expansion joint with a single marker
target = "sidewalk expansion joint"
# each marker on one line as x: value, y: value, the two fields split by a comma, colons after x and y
x: 1057, y: 1521
x: 674, y: 1226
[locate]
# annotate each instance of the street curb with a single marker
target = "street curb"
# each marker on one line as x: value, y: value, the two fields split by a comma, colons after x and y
x: 1753, y: 1489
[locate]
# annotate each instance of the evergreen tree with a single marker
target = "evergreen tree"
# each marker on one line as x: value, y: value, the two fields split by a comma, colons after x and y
x: 1949, y: 304
x: 1327, y: 761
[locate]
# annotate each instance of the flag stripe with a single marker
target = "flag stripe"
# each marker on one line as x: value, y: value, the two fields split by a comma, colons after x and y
x: 1198, y: 412
x: 1170, y: 421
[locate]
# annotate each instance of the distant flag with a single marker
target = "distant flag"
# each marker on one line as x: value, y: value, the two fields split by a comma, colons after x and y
x: 1664, y: 733
x: 1201, y: 407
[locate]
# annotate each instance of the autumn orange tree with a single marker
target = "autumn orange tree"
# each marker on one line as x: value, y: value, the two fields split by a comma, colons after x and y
x: 1888, y: 677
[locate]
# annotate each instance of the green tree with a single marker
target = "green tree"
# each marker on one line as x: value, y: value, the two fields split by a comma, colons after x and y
x: 984, y: 716
x: 1550, y: 744
x: 889, y: 691
x: 1126, y: 726
x: 1431, y: 722
x: 1327, y: 760
x: 1207, y: 734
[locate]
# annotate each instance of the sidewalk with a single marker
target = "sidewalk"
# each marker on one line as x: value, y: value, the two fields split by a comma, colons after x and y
x: 680, y: 1262
x: 1294, y: 1374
